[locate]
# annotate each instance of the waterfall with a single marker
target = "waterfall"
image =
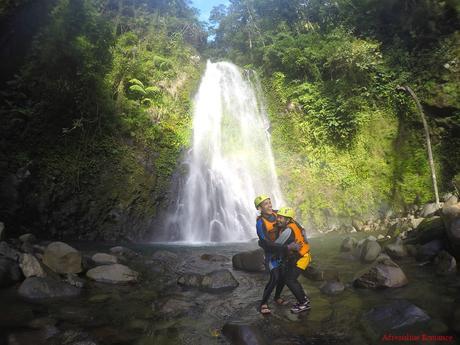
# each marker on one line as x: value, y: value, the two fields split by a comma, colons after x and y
x: 230, y: 161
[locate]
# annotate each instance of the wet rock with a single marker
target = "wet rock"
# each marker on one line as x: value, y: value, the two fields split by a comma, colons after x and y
x: 176, y: 307
x: 42, y: 322
x: 429, y: 250
x: 332, y: 288
x: 243, y: 334
x: 28, y: 248
x: 384, y: 273
x: 415, y: 222
x: 219, y: 281
x: 313, y: 273
x: 123, y: 251
x: 29, y: 238
x: 10, y: 273
x: 429, y: 210
x: 214, y: 258
x: 393, y: 316
x: 36, y: 288
x: 396, y: 250
x: 8, y: 252
x: 104, y: 259
x: 30, y: 266
x: 370, y: 249
x: 62, y: 258
x: 411, y: 250
x: 450, y: 200
x: 357, y: 224
x: 445, y: 264
x: 191, y: 280
x: 251, y: 261
x: 451, y: 218
x: 348, y: 244
x: 113, y: 274
x: 36, y: 337
x: 428, y: 230
x: 87, y: 263
x: 75, y: 280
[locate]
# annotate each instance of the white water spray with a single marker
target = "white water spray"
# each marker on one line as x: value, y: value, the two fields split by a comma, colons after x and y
x: 230, y: 162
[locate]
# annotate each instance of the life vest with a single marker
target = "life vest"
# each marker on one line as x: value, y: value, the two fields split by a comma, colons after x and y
x: 270, y: 227
x: 304, y: 250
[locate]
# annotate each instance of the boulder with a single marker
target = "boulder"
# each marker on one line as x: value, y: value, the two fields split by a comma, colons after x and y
x: 251, y: 261
x: 113, y: 274
x: 450, y: 200
x: 394, y: 315
x: 331, y: 288
x: 429, y: 210
x: 370, y: 249
x: 396, y: 250
x: 219, y: 281
x: 8, y: 252
x: 62, y: 258
x: 75, y: 280
x: 123, y: 251
x: 104, y: 259
x: 10, y: 273
x: 429, y: 250
x: 243, y: 334
x: 428, y: 230
x: 30, y: 266
x: 176, y: 307
x: 348, y: 244
x: 451, y: 218
x: 45, y: 287
x: 313, y: 273
x: 384, y: 273
x: 29, y: 238
x: 191, y: 280
x: 445, y: 264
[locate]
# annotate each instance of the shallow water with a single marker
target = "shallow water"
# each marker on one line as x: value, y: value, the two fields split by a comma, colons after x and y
x: 136, y: 315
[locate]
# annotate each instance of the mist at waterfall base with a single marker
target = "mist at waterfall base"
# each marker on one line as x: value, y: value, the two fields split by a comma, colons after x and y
x: 229, y: 164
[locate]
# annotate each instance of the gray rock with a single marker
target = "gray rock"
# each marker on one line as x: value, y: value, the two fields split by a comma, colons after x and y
x: 415, y: 222
x: 445, y: 264
x: 384, y: 273
x: 251, y: 261
x: 396, y: 250
x: 348, y: 244
x: 30, y: 238
x: 10, y: 273
x: 243, y: 334
x: 44, y: 288
x: 126, y: 252
x: 370, y: 249
x: 219, y: 281
x: 176, y: 307
x: 8, y: 252
x: 451, y: 200
x: 191, y: 280
x: 429, y: 250
x: 113, y: 274
x: 314, y: 273
x: 429, y: 210
x: 451, y: 218
x: 428, y: 230
x: 30, y: 266
x: 75, y: 280
x: 104, y: 259
x: 357, y: 224
x: 393, y: 316
x: 332, y: 288
x: 62, y: 258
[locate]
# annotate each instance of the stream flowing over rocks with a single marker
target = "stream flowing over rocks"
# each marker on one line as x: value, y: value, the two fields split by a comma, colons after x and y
x: 362, y: 285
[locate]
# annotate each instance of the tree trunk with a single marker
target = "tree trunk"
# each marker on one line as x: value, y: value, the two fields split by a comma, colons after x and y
x: 428, y: 141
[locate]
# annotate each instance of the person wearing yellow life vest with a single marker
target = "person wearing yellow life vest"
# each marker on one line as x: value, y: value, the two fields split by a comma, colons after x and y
x: 298, y: 259
x: 267, y: 231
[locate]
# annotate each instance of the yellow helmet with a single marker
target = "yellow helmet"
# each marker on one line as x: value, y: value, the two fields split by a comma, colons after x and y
x: 259, y: 199
x: 287, y: 212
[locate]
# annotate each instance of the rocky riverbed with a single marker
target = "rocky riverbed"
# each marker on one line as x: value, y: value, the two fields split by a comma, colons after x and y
x: 174, y: 294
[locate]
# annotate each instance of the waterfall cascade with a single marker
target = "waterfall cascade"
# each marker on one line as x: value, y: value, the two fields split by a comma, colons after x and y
x: 230, y: 161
